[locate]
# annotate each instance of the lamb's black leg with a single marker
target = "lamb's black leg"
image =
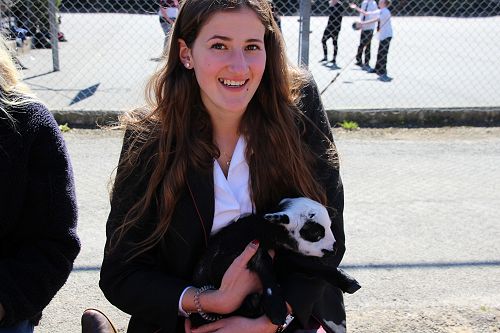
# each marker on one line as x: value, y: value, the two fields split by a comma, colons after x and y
x: 273, y: 300
x: 338, y: 278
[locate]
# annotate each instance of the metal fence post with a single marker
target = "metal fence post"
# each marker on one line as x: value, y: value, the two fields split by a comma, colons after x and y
x: 54, y: 29
x: 305, y: 24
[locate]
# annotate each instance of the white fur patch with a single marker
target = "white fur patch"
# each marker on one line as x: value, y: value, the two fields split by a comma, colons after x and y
x: 302, y: 210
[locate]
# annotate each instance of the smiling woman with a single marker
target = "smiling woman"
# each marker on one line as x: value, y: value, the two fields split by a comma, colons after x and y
x: 228, y: 58
x: 230, y: 129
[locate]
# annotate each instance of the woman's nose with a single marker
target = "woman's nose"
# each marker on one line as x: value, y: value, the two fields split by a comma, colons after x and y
x: 239, y: 63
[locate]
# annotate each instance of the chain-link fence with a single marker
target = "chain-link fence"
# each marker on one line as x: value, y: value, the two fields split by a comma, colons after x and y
x: 443, y: 53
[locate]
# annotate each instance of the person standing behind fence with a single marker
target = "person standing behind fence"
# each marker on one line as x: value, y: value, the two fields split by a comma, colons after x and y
x: 332, y: 30
x: 38, y: 213
x: 385, y: 36
x: 366, y: 34
x: 168, y: 14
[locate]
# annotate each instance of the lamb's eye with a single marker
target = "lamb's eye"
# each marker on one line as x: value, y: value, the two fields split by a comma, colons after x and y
x: 312, y: 232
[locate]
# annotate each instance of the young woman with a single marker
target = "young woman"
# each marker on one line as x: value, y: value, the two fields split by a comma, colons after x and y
x: 38, y: 241
x: 231, y: 128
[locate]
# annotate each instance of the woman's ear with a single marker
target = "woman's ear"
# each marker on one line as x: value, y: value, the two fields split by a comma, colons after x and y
x: 185, y: 54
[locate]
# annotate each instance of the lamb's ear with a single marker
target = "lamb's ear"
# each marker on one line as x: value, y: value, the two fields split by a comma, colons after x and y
x: 277, y: 218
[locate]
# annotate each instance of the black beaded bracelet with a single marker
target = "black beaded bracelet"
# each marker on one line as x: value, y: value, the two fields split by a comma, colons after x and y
x: 199, y: 309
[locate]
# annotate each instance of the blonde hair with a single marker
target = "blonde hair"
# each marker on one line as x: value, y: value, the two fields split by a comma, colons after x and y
x: 13, y: 92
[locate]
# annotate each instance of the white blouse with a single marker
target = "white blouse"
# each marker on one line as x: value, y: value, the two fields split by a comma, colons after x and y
x: 232, y: 194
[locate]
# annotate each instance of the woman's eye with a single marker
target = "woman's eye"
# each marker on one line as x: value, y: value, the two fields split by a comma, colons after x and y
x: 218, y: 46
x: 253, y: 47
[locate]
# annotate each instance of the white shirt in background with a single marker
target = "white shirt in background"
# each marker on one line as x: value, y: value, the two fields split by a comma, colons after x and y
x: 385, y: 24
x: 368, y: 6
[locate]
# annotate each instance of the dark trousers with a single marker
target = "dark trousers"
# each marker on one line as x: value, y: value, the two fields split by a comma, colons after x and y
x: 383, y: 51
x: 334, y: 35
x: 365, y: 43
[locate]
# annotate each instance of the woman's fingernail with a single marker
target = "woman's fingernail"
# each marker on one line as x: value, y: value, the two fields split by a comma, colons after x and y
x: 255, y: 242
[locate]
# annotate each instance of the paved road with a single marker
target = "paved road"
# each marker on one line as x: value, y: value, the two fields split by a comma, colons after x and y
x: 422, y: 222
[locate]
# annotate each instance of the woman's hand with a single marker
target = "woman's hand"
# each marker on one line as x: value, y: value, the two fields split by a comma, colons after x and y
x: 238, y: 281
x: 237, y: 324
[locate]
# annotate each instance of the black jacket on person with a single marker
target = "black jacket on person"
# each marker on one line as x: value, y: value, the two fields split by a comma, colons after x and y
x: 335, y: 17
x: 38, y: 213
x: 149, y: 286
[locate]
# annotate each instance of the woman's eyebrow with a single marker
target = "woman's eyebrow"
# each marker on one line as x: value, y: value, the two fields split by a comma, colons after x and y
x: 227, y: 39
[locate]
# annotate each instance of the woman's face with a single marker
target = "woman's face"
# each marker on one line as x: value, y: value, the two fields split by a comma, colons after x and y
x: 228, y: 57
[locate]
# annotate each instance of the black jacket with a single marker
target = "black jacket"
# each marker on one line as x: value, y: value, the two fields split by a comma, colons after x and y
x: 149, y: 286
x: 38, y: 212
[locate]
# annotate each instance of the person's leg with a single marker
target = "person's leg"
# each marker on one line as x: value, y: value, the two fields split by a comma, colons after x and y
x: 382, y: 56
x: 379, y: 57
x: 368, y: 43
x: 323, y: 42
x: 22, y: 327
x: 364, y: 42
x: 335, y: 38
x: 360, y: 49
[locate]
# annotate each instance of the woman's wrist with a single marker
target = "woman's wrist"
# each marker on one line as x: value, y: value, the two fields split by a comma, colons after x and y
x: 206, y: 301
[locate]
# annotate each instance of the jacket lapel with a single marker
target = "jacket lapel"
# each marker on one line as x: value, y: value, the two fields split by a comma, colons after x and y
x: 200, y: 186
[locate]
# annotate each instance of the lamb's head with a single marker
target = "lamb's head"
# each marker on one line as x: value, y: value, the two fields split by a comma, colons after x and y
x: 308, y: 227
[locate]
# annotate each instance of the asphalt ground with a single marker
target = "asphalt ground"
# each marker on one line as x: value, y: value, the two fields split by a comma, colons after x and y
x: 422, y: 211
x: 436, y: 63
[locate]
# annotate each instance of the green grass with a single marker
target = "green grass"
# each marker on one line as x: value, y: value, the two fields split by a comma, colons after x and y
x: 64, y: 128
x: 349, y: 125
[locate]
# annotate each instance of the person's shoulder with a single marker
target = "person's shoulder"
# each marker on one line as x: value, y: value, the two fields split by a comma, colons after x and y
x: 385, y: 12
x: 32, y: 115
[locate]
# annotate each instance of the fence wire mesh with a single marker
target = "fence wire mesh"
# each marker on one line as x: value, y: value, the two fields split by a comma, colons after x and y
x: 443, y: 53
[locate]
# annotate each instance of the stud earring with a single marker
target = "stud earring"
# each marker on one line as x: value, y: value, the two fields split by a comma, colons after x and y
x: 187, y: 65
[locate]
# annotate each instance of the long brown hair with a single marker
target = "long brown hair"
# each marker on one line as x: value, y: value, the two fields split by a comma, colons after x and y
x: 179, y: 131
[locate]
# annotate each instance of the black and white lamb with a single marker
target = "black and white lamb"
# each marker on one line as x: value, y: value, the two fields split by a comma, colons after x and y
x: 301, y: 227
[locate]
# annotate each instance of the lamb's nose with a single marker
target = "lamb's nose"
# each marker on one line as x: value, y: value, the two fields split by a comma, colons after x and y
x: 329, y: 253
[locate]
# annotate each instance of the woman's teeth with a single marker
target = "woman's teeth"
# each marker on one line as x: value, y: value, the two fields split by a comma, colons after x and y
x: 231, y: 83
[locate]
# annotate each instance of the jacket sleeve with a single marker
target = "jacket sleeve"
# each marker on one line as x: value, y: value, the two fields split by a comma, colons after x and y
x: 37, y: 254
x: 304, y: 292
x: 138, y: 286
